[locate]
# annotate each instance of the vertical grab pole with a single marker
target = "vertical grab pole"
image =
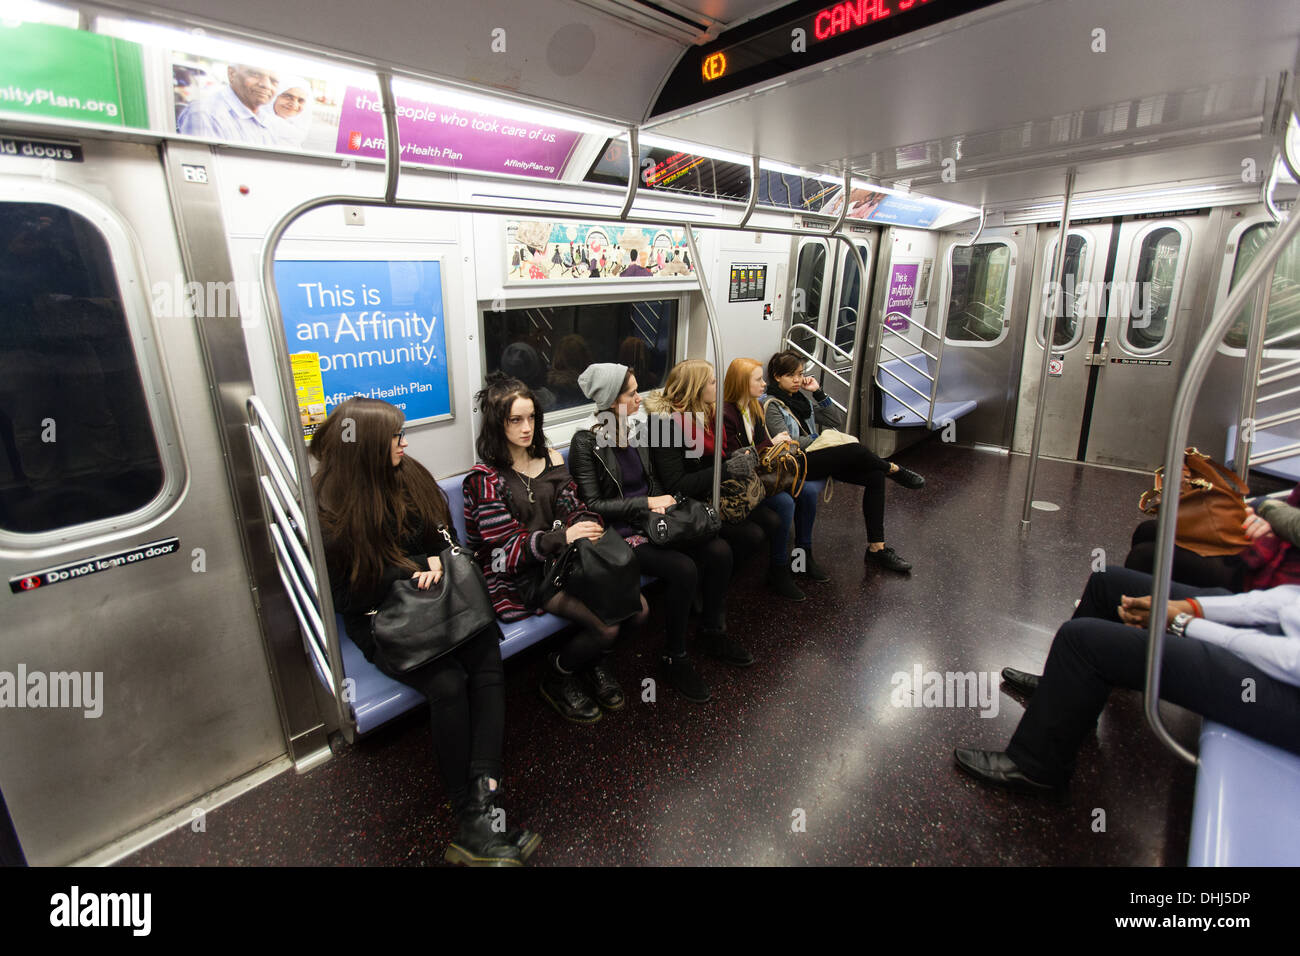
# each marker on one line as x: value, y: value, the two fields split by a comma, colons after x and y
x: 855, y: 376
x: 392, y: 141
x: 1058, y: 271
x: 1250, y: 379
x: 710, y: 309
x: 1180, y: 421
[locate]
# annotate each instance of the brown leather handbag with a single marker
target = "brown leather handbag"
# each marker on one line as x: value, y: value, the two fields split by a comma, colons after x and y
x: 783, y: 467
x: 1211, y: 506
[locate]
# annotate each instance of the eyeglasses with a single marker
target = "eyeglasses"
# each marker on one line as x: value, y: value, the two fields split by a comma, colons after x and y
x: 400, y: 435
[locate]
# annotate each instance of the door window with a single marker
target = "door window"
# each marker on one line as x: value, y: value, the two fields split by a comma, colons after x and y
x: 978, y: 277
x: 1284, y: 300
x: 807, y: 300
x: 76, y: 440
x: 1074, y: 294
x: 846, y: 319
x: 1148, y: 315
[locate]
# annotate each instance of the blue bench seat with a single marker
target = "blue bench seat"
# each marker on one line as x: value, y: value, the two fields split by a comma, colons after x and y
x: 1247, y: 806
x: 894, y: 414
x: 1266, y: 441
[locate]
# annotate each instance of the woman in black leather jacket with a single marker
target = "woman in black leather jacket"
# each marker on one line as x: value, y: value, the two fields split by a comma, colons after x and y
x: 611, y: 463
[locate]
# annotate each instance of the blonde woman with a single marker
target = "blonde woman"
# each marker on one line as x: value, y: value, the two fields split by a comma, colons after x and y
x: 683, y: 460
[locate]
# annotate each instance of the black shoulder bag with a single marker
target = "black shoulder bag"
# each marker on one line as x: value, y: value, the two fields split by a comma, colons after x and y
x: 687, y: 522
x: 413, y: 627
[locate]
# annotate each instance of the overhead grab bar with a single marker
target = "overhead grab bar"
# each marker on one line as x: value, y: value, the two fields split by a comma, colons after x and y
x: 633, y: 158
x: 753, y: 192
x: 1180, y: 422
x: 974, y: 236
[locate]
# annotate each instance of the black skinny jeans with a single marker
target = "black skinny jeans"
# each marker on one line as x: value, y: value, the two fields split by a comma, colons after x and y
x: 1222, y: 571
x: 858, y: 465
x: 747, y: 537
x: 1094, y: 652
x: 682, y: 570
x: 467, y: 709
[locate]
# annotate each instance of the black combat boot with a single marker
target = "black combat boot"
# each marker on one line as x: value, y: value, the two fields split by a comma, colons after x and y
x: 476, y: 843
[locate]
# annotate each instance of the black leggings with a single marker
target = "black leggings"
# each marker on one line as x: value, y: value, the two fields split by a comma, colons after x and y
x: 467, y: 709
x: 1198, y: 571
x: 858, y: 465
x: 594, y: 639
x: 747, y: 537
x: 682, y: 570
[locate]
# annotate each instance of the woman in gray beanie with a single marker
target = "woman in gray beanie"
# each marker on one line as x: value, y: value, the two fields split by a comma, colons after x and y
x: 611, y: 464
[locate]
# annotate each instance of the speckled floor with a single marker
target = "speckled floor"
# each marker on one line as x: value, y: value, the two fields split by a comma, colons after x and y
x: 801, y: 758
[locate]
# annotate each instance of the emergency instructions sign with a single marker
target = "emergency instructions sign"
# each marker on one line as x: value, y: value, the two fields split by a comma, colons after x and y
x: 748, y: 282
x: 376, y: 329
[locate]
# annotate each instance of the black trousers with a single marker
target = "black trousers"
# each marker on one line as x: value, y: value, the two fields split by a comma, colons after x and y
x: 857, y: 465
x: 747, y: 537
x: 1222, y: 571
x: 1094, y: 652
x: 682, y: 570
x: 467, y: 709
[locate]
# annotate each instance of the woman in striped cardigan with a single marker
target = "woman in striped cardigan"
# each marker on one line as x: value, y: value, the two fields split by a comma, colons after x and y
x: 522, y: 508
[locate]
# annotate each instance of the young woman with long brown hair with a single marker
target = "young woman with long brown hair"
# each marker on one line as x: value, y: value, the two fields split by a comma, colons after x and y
x: 381, y: 514
x: 521, y: 508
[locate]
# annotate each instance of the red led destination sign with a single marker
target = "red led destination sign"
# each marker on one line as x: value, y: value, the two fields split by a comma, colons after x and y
x: 833, y: 21
x: 796, y: 36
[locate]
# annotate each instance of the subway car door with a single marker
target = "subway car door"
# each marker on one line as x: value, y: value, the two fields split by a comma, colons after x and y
x: 1086, y: 254
x: 1154, y: 298
x: 133, y: 675
x: 841, y: 322
x: 809, y: 295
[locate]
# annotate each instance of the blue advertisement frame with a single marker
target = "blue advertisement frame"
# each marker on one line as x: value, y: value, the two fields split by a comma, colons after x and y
x: 409, y: 325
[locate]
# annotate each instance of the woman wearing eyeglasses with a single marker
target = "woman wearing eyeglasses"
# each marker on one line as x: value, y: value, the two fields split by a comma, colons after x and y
x: 380, y: 515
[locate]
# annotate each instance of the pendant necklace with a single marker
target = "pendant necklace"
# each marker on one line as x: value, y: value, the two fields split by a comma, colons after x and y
x: 527, y: 484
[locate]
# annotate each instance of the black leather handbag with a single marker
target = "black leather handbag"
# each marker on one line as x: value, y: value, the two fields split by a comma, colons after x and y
x: 602, y: 574
x: 413, y: 627
x: 684, y: 523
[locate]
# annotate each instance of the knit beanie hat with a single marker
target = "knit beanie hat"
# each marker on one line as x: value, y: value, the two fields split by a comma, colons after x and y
x: 602, y: 383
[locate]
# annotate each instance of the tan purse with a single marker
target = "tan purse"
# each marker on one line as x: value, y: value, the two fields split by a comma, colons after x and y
x: 783, y: 467
x: 1211, y: 506
x: 830, y: 438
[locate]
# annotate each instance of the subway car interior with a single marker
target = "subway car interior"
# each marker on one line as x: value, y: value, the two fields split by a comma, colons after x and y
x: 244, y: 214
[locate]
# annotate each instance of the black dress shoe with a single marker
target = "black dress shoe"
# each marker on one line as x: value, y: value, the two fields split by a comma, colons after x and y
x: 887, y: 557
x: 996, y: 769
x: 907, y: 478
x: 604, y: 687
x: 1021, y: 681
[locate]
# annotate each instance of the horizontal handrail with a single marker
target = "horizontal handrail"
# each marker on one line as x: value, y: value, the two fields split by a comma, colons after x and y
x: 1276, y: 395
x: 286, y: 493
x: 313, y: 628
x: 1275, y: 373
x: 919, y: 348
x: 255, y: 406
x: 903, y: 358
x: 282, y: 521
x: 1286, y: 451
x: 817, y: 335
x: 920, y: 326
x: 1277, y: 418
x: 925, y: 395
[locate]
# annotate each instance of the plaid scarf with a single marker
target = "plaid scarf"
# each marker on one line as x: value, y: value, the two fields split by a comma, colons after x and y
x: 1270, y: 561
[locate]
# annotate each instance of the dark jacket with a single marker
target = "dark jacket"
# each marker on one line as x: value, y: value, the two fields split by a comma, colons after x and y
x: 595, y: 467
x: 734, y: 428
x: 419, y: 544
x: 678, y: 473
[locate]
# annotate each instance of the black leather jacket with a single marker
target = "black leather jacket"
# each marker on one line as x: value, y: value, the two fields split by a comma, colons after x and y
x: 595, y: 468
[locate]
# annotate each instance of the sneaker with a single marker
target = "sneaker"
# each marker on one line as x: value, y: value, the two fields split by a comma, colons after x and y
x: 887, y: 557
x: 907, y: 478
x: 565, y: 694
x: 781, y: 583
x: 604, y: 686
x: 717, y: 645
x: 678, y: 672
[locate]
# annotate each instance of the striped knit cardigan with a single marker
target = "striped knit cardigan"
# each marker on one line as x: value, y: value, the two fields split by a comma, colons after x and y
x: 491, y: 529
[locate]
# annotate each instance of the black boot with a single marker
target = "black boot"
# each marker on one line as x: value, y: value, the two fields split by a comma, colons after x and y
x: 679, y: 673
x: 811, y: 569
x: 526, y: 841
x: 717, y: 645
x: 604, y: 686
x: 476, y: 843
x: 781, y: 583
x: 563, y: 692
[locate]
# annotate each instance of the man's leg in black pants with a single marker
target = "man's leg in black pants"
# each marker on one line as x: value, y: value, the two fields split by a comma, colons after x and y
x: 1089, y: 657
x: 1102, y: 594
